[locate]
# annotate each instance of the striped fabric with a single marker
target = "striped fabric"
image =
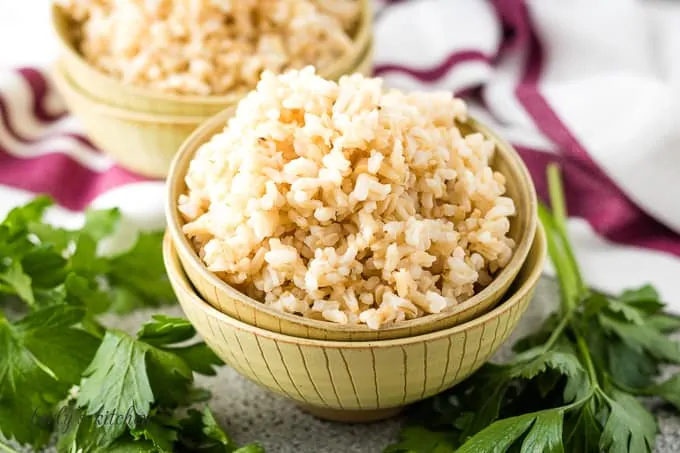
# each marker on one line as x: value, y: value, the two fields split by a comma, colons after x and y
x: 593, y: 87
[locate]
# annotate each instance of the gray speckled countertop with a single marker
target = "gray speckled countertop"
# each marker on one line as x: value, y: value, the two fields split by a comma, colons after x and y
x: 250, y: 413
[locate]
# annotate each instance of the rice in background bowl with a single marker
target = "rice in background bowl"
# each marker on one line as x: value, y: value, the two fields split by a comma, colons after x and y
x: 341, y: 202
x: 209, y: 47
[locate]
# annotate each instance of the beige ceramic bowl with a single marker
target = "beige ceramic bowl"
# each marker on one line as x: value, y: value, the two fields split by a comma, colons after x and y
x: 237, y: 305
x: 141, y: 142
x: 357, y: 381
x: 109, y: 90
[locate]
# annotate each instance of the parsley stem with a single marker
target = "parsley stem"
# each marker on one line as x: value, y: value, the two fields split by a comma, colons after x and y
x: 559, y: 213
x: 6, y: 448
x: 578, y: 403
x: 559, y: 330
x: 590, y: 366
x: 556, y: 193
x: 634, y: 391
x: 564, y: 269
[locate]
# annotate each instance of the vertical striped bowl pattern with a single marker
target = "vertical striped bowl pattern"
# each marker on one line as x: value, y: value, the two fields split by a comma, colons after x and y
x: 364, y: 380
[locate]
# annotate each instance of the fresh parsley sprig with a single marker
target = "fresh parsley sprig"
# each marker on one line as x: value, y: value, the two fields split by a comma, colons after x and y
x: 42, y: 265
x: 573, y: 385
x: 63, y: 373
x: 136, y: 392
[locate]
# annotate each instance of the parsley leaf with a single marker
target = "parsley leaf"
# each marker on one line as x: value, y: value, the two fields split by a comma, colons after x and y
x: 630, y: 366
x: 538, y: 431
x: 19, y: 219
x: 43, y: 355
x: 417, y: 439
x: 41, y: 256
x: 129, y: 446
x: 170, y: 376
x: 117, y: 382
x: 164, y: 330
x: 201, y: 433
x: 130, y: 375
x: 13, y: 280
x: 643, y: 337
x: 100, y: 224
x: 664, y: 322
x: 545, y: 434
x: 45, y: 266
x: 630, y: 427
x: 631, y: 314
x: 582, y: 430
x: 139, y: 273
x: 82, y: 292
x: 199, y: 357
x: 563, y: 362
x: 645, y: 298
x: 133, y: 392
x: 669, y: 390
x: 162, y: 437
x: 78, y: 432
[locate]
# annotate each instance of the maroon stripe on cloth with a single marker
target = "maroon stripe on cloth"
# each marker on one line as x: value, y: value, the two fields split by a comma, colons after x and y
x: 540, y: 110
x: 591, y: 194
x: 515, y: 21
x: 40, y: 87
x: 469, y: 92
x: 82, y: 139
x: 6, y: 114
x: 72, y: 185
x: 437, y: 72
x: 4, y: 118
x: 599, y: 202
x: 384, y: 6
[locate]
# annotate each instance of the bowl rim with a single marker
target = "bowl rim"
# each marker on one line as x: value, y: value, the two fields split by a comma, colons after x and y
x: 177, y: 274
x: 68, y: 87
x: 362, y: 39
x: 186, y: 250
x: 64, y: 82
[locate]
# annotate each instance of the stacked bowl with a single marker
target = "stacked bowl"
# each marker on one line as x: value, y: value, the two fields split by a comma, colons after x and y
x: 350, y: 372
x: 142, y: 128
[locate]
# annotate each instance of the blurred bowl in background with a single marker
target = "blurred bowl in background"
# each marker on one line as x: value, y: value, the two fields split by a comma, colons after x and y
x: 144, y: 143
x: 106, y: 89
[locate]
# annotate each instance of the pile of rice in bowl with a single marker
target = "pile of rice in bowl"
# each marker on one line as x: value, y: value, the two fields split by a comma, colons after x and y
x: 210, y: 47
x: 341, y: 202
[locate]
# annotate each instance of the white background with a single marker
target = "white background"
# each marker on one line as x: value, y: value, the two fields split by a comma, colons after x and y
x: 25, y: 33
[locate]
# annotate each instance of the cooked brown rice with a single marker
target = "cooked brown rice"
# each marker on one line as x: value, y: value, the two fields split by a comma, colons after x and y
x: 210, y: 47
x: 342, y: 202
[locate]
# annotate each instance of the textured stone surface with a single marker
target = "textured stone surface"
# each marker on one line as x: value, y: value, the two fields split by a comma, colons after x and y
x: 250, y: 413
